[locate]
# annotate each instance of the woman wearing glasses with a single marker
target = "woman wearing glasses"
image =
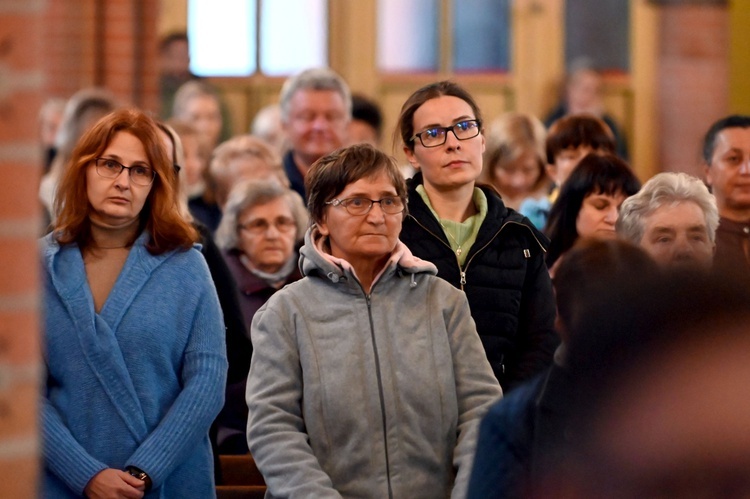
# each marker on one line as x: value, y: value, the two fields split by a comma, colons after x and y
x: 368, y: 378
x: 133, y: 330
x: 478, y: 244
x: 263, y: 224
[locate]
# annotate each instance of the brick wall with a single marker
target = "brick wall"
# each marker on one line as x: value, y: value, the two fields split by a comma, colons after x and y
x: 113, y: 44
x: 21, y: 84
x: 693, y: 81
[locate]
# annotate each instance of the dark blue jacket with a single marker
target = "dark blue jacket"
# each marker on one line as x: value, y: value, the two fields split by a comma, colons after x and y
x: 505, y: 279
x: 520, y: 438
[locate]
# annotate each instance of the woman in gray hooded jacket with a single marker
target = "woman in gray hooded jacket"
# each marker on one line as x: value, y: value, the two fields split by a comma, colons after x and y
x: 368, y: 378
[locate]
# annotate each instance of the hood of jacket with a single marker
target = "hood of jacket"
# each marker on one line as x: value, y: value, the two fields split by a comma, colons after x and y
x: 315, y: 260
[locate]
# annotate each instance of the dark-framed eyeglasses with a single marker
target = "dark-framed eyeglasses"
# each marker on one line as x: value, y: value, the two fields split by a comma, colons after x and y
x: 109, y: 168
x: 391, y: 205
x: 261, y: 225
x: 437, y: 135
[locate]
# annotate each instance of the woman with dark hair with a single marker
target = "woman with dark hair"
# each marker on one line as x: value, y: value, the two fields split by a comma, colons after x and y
x: 367, y: 378
x: 589, y: 202
x: 133, y: 330
x: 479, y: 245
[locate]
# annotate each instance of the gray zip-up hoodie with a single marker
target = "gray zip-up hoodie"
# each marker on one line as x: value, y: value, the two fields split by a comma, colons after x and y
x: 366, y: 395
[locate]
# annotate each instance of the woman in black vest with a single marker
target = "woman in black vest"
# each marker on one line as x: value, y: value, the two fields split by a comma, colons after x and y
x: 491, y: 252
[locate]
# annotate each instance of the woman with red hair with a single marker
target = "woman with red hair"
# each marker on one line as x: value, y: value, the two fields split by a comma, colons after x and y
x: 134, y: 334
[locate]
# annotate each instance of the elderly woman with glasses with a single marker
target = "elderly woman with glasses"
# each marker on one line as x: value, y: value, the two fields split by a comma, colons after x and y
x: 262, y: 226
x: 368, y: 378
x: 134, y: 336
x: 478, y: 244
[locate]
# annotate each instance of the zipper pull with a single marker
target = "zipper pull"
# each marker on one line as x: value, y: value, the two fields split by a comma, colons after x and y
x: 526, y: 253
x: 463, y: 278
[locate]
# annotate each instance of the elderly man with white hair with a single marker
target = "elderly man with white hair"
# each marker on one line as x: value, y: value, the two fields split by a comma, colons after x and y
x: 674, y: 218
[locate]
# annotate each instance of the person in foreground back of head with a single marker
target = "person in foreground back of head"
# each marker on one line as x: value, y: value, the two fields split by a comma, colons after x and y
x: 519, y: 437
x: 659, y: 406
x: 368, y: 378
x: 674, y: 218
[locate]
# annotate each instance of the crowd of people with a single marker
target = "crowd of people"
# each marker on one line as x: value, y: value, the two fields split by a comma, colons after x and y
x: 465, y: 325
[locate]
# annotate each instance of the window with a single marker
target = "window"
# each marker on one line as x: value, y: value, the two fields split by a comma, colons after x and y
x: 242, y: 37
x: 410, y: 34
x: 481, y: 39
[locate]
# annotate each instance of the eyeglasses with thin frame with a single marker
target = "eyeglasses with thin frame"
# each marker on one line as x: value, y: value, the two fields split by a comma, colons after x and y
x: 391, y: 205
x: 109, y: 168
x: 437, y: 135
x: 260, y: 226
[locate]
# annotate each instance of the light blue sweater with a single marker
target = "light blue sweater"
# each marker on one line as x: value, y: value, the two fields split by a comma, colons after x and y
x: 137, y: 384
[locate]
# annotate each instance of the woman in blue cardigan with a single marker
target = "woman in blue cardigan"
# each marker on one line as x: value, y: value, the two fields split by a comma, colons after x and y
x: 134, y: 333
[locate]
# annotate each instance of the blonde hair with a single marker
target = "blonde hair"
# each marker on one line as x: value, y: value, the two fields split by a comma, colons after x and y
x: 508, y: 137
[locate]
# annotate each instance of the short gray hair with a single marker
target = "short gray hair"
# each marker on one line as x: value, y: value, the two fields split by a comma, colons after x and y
x: 662, y: 189
x: 188, y: 91
x: 314, y: 79
x: 253, y: 193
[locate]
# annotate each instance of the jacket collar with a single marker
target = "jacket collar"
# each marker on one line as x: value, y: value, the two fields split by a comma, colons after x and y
x: 497, y: 214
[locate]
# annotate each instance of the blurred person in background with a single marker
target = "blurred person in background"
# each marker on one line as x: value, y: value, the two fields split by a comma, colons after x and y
x: 726, y: 161
x: 316, y: 107
x: 674, y: 218
x: 50, y: 117
x: 583, y: 94
x: 569, y: 140
x: 263, y: 224
x: 243, y: 158
x: 198, y: 104
x: 267, y: 126
x: 81, y: 112
x: 174, y: 68
x: 589, y: 203
x: 514, y: 164
x: 367, y: 121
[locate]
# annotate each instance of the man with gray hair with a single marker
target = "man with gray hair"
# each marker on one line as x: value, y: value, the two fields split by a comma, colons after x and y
x: 316, y: 107
x: 674, y: 218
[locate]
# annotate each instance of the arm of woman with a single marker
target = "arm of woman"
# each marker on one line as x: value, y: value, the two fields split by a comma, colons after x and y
x: 204, y: 371
x: 63, y: 455
x: 536, y: 322
x: 476, y: 385
x: 276, y: 427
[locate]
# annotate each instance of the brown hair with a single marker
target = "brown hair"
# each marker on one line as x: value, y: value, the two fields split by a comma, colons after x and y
x: 159, y: 216
x: 432, y: 91
x: 579, y: 130
x: 330, y: 175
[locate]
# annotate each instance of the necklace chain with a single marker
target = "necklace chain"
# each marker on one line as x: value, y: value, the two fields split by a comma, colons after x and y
x: 450, y: 236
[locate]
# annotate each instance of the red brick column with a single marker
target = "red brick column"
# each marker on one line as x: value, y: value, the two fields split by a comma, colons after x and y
x: 111, y: 44
x: 693, y: 78
x: 21, y: 86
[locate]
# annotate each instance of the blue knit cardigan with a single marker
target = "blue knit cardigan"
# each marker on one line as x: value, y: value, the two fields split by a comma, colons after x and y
x: 137, y: 384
